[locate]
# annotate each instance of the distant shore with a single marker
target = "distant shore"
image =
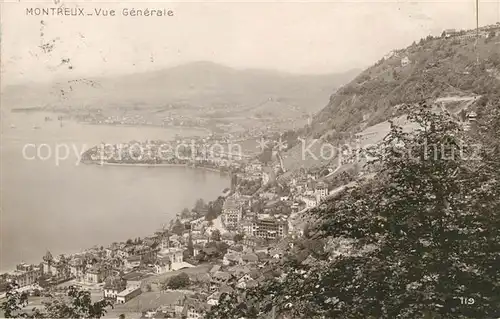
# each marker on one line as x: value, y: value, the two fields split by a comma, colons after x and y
x: 216, y: 170
x: 169, y: 127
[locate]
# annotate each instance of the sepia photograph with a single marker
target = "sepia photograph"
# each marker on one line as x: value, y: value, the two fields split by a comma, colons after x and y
x: 264, y: 159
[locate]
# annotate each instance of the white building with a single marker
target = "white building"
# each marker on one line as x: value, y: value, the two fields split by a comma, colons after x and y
x: 405, y: 61
x: 128, y: 294
x: 175, y: 255
x: 321, y: 190
x: 232, y: 210
x: 113, y: 286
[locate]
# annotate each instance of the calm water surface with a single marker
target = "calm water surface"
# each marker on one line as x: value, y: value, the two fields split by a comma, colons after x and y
x: 68, y: 207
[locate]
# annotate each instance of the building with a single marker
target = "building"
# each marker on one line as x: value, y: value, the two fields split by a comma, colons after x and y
x: 195, y: 310
x: 265, y: 178
x: 247, y: 226
x: 228, y: 238
x: 25, y: 275
x: 254, y: 167
x: 197, y: 248
x: 113, y: 286
x: 268, y: 195
x: 97, y: 273
x: 49, y: 265
x: 134, y: 279
x: 231, y: 259
x: 268, y: 228
x: 389, y: 55
x: 200, y: 239
x: 232, y: 211
x: 250, y: 258
x: 163, y: 265
x: 132, y: 262
x: 467, y: 36
x: 198, y: 223
x: 147, y: 255
x: 213, y: 299
x: 405, y: 61
x: 450, y: 33
x: 472, y: 116
x: 77, y: 267
x: 321, y: 190
x: 128, y: 294
x: 175, y: 255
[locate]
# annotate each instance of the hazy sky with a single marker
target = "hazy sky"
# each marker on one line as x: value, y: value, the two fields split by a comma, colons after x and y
x: 299, y: 37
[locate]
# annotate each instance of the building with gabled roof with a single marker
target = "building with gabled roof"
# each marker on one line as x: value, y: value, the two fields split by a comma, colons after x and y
x: 128, y: 294
x: 113, y: 285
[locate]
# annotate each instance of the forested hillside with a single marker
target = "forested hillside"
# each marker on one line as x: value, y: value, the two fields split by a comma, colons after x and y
x: 454, y: 69
x: 437, y: 67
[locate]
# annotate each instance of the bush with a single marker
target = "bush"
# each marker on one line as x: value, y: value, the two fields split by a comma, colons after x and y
x: 177, y: 282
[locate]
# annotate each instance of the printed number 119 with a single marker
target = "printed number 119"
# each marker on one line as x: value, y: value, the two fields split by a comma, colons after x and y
x: 466, y: 301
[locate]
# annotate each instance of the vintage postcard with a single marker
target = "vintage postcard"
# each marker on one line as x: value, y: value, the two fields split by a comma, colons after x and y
x: 250, y: 159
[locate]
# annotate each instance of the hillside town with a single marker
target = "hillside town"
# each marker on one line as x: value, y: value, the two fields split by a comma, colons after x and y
x: 243, y: 231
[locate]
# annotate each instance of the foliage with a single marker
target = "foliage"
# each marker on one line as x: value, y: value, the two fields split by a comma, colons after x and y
x: 178, y: 228
x: 75, y: 304
x: 249, y: 187
x: 214, y: 208
x: 185, y: 213
x: 215, y: 235
x: 440, y: 67
x: 14, y: 302
x: 239, y: 307
x: 341, y: 179
x: 408, y: 244
x: 200, y: 204
x: 266, y: 155
x: 238, y: 237
x: 80, y: 306
x: 190, y: 246
x: 177, y: 282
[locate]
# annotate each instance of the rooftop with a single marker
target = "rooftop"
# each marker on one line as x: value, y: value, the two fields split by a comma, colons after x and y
x: 127, y: 291
x: 134, y: 276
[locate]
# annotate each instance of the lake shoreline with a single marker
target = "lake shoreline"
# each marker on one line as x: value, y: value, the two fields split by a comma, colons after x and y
x: 157, y: 165
x: 171, y: 127
x: 66, y: 201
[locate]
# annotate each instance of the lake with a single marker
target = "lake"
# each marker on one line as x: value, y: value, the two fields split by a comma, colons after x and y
x: 64, y: 206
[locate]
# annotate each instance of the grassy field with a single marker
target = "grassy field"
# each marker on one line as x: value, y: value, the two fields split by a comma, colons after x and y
x: 154, y: 281
x: 144, y: 302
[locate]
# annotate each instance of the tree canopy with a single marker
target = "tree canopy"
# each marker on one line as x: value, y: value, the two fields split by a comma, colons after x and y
x: 176, y: 282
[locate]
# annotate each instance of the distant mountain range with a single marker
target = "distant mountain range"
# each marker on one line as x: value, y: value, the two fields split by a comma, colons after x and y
x: 196, y: 85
